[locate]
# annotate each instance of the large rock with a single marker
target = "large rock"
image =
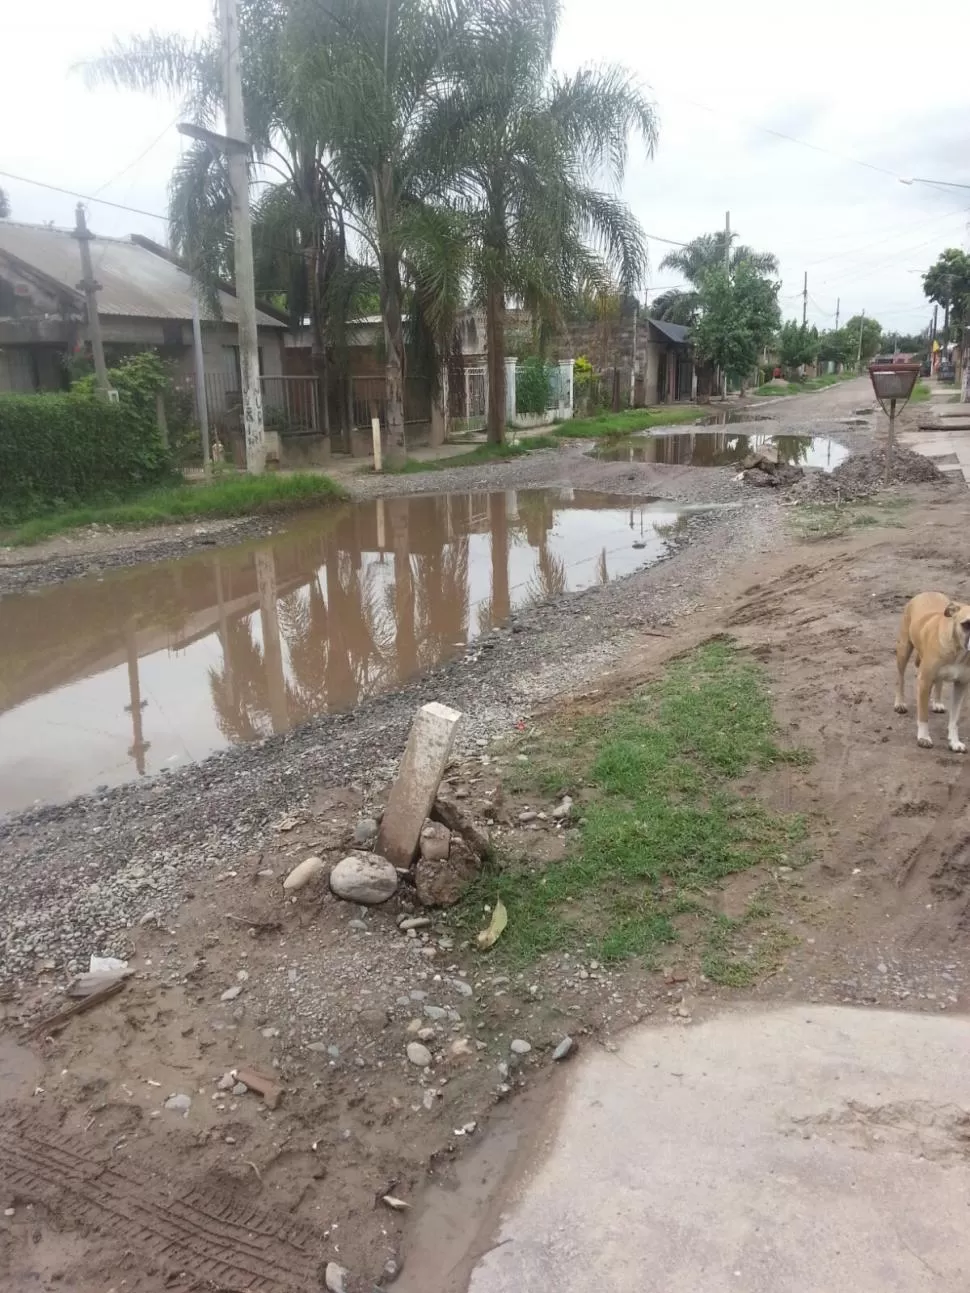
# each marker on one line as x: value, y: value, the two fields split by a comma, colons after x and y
x: 435, y: 842
x: 440, y: 882
x: 365, y: 877
x: 418, y: 778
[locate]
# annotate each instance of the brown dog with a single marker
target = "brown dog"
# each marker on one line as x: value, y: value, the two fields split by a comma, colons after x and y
x: 938, y: 630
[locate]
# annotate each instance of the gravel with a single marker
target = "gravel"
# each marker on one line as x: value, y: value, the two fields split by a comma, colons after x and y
x: 77, y: 876
x: 865, y: 473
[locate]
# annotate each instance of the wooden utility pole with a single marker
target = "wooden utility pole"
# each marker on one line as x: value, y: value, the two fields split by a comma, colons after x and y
x: 862, y: 324
x: 90, y: 287
x: 805, y: 300
x: 238, y: 153
x: 201, y: 407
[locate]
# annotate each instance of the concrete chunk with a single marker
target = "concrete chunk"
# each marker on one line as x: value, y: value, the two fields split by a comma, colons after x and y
x: 418, y: 778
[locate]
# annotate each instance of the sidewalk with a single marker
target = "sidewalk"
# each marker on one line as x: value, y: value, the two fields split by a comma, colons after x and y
x: 944, y: 432
x: 802, y: 1150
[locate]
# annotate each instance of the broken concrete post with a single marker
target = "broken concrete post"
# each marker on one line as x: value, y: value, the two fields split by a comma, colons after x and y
x: 417, y: 781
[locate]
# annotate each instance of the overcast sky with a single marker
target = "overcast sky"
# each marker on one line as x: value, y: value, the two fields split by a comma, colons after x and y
x: 723, y: 77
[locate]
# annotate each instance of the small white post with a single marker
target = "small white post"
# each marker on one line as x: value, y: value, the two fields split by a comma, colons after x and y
x: 510, y: 366
x: 375, y: 430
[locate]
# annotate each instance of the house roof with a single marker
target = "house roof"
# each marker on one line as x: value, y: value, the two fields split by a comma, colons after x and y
x: 138, y: 279
x: 675, y: 332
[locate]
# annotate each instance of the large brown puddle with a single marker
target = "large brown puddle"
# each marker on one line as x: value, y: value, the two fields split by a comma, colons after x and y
x: 721, y: 449
x: 148, y: 669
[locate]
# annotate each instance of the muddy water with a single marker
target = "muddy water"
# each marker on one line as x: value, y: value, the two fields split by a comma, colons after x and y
x: 102, y: 681
x: 722, y: 449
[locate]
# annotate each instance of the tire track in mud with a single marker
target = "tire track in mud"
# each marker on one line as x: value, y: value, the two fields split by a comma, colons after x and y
x: 221, y: 1238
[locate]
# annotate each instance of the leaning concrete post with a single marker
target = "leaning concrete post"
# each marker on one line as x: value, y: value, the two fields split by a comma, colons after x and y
x: 413, y: 793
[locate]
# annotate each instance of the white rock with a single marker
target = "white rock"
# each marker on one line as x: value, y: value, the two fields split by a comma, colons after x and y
x: 562, y: 809
x: 461, y: 986
x: 563, y: 1049
x: 232, y: 993
x: 335, y: 1278
x: 303, y: 873
x: 179, y: 1103
x: 520, y: 1047
x: 419, y: 1054
x: 364, y: 878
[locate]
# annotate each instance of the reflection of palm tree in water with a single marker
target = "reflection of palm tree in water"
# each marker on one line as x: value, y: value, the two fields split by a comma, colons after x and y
x: 441, y: 600
x: 792, y: 448
x: 239, y: 691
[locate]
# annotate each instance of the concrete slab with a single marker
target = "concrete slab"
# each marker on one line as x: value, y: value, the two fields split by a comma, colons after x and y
x: 802, y: 1150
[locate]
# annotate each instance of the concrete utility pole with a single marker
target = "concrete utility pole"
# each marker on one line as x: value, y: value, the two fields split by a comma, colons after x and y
x: 238, y: 151
x: 727, y: 270
x: 838, y: 307
x: 805, y: 300
x: 201, y: 407
x: 90, y: 288
x: 862, y: 324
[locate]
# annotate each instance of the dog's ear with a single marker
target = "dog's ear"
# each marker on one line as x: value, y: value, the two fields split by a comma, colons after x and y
x: 951, y: 609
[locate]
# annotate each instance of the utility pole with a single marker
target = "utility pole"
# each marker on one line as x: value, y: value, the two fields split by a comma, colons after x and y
x: 862, y: 324
x: 238, y: 153
x: 838, y: 307
x: 90, y: 287
x: 727, y: 270
x: 805, y: 300
x: 201, y: 407
x: 727, y: 241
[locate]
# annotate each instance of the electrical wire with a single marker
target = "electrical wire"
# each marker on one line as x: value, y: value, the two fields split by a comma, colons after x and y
x: 144, y: 153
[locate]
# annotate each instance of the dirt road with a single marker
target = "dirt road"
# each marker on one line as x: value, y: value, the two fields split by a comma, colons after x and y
x: 181, y: 877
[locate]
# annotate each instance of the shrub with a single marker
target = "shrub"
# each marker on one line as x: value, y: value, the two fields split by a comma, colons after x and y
x: 71, y: 447
x: 533, y: 387
x: 138, y: 379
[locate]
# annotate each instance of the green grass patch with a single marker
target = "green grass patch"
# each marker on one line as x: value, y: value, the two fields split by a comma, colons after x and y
x: 660, y: 823
x: 481, y: 454
x: 803, y: 388
x: 165, y: 505
x: 921, y: 392
x: 627, y: 422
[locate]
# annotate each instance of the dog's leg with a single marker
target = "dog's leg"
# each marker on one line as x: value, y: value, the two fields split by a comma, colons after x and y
x: 904, y: 649
x: 936, y: 698
x: 956, y: 704
x: 923, y: 685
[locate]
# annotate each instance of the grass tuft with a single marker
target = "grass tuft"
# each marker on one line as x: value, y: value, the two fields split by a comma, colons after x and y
x: 224, y: 497
x: 659, y: 823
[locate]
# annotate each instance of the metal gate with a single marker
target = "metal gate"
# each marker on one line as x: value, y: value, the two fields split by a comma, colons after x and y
x: 472, y: 414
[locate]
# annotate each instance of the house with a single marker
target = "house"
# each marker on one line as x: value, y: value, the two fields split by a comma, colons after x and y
x: 668, y: 369
x: 145, y: 300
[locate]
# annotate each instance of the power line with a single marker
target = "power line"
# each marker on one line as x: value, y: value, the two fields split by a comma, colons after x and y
x: 85, y: 197
x: 144, y: 153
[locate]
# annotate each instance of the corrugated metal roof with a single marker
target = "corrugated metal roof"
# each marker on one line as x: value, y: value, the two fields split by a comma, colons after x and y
x: 676, y: 332
x: 135, y: 282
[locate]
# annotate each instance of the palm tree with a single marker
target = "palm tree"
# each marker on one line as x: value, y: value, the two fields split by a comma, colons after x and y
x: 300, y: 218
x: 693, y: 262
x: 521, y: 147
x: 370, y: 73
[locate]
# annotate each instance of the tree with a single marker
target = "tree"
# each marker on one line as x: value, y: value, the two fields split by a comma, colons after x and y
x: 700, y: 255
x: 523, y: 146
x: 839, y: 346
x: 4, y: 205
x: 870, y: 331
x: 947, y: 282
x: 739, y: 315
x: 797, y: 344
x: 300, y: 219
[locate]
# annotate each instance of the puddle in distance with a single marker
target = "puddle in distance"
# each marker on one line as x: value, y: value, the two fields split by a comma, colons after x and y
x: 148, y: 669
x: 721, y: 449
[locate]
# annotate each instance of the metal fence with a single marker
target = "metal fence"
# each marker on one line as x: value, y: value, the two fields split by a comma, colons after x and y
x: 470, y: 406
x: 291, y: 405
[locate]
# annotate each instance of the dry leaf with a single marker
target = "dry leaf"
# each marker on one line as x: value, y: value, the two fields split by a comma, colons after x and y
x: 397, y: 1204
x: 500, y: 918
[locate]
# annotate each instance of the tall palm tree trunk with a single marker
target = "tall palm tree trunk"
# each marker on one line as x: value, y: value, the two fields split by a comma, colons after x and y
x: 495, y: 346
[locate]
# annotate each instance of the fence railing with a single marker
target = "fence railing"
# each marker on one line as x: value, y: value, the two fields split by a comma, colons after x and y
x: 291, y: 405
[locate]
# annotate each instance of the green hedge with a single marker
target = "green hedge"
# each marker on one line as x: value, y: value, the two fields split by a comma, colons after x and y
x: 71, y: 448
